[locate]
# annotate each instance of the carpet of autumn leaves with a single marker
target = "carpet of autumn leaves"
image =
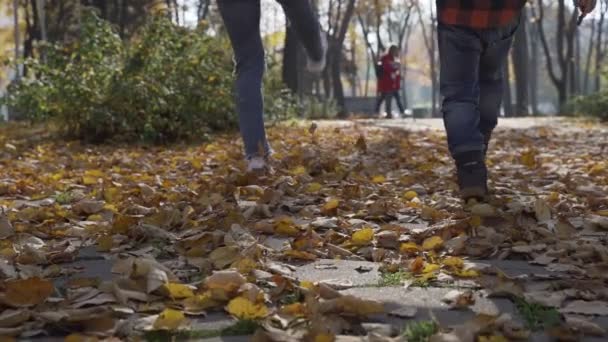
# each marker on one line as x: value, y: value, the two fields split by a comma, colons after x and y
x: 188, y: 232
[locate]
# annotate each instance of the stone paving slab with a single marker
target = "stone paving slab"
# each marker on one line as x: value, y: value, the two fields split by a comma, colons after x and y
x: 345, y: 273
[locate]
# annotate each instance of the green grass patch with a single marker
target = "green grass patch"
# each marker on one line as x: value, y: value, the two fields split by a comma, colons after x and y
x: 240, y: 328
x: 420, y: 331
x: 536, y: 316
x: 393, y: 279
x: 388, y: 279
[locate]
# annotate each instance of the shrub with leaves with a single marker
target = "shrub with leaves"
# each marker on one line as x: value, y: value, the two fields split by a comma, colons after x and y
x: 594, y: 105
x: 168, y: 83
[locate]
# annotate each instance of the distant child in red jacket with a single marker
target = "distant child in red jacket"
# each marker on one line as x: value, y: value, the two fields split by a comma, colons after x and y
x: 389, y: 81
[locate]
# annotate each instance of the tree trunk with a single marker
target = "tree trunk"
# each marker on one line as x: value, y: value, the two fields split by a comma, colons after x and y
x: 533, y: 70
x: 599, y: 51
x: 507, y: 99
x: 290, y: 59
x: 520, y: 58
x: 335, y: 57
x: 588, y: 59
x: 17, y: 38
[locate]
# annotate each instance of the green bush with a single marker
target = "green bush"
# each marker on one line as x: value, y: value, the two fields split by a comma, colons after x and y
x: 594, y: 105
x: 168, y: 83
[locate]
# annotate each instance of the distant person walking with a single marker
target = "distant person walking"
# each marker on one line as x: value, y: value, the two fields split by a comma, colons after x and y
x: 242, y: 21
x: 389, y: 81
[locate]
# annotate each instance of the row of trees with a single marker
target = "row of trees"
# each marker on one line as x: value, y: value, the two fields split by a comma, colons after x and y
x: 552, y: 58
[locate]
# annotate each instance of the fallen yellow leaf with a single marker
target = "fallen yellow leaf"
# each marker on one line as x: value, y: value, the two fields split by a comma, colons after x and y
x: 379, y: 179
x: 286, y: 226
x: 325, y: 337
x: 475, y: 221
x: 363, y: 237
x: 178, y: 291
x: 313, y: 187
x: 242, y: 308
x: 169, y: 319
x: 432, y: 243
x: 409, y: 248
x: 105, y: 243
x: 454, y: 262
x: 295, y: 309
x: 429, y: 268
x: 467, y: 273
x: 330, y: 206
x: 80, y: 338
x: 200, y: 302
x: 410, y: 195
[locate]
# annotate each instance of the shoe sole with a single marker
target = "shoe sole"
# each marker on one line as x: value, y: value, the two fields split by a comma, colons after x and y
x: 473, y: 192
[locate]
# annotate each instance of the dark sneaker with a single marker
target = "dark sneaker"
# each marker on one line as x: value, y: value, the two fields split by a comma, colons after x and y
x: 472, y: 175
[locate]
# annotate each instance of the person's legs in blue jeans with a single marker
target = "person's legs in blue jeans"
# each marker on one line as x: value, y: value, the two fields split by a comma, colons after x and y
x: 306, y: 25
x: 491, y: 74
x: 460, y: 51
x: 242, y: 22
x: 472, y: 63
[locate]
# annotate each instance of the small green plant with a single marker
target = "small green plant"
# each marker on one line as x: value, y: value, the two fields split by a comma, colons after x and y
x: 536, y: 316
x: 398, y: 278
x: 393, y: 279
x: 420, y: 331
x: 240, y: 328
x: 64, y: 197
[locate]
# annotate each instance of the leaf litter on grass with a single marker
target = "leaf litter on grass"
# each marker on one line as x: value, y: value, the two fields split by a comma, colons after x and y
x: 190, y: 232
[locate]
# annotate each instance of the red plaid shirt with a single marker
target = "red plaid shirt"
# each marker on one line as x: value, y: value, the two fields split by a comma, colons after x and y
x: 479, y: 14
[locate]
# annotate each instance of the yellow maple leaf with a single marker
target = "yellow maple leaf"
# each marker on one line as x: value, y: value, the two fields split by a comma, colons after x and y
x: 602, y: 212
x: 454, y: 262
x: 363, y: 237
x: 409, y: 248
x: 178, y: 291
x: 286, y: 226
x: 467, y: 273
x: 528, y: 158
x: 475, y: 221
x: 75, y: 337
x: 309, y: 285
x: 410, y: 195
x: 325, y: 337
x: 331, y: 205
x: 200, y: 302
x: 432, y: 243
x: 313, y: 187
x: 169, y: 319
x: 298, y: 170
x: 378, y: 179
x: 243, y: 308
x: 492, y: 338
x: 429, y: 268
x: 105, y: 243
x: 295, y: 309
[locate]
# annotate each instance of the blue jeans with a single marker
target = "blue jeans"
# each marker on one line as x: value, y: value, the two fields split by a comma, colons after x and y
x: 242, y: 21
x: 471, y: 82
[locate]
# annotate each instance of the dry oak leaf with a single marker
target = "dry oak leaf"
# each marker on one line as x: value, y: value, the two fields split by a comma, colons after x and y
x: 27, y: 292
x: 351, y: 306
